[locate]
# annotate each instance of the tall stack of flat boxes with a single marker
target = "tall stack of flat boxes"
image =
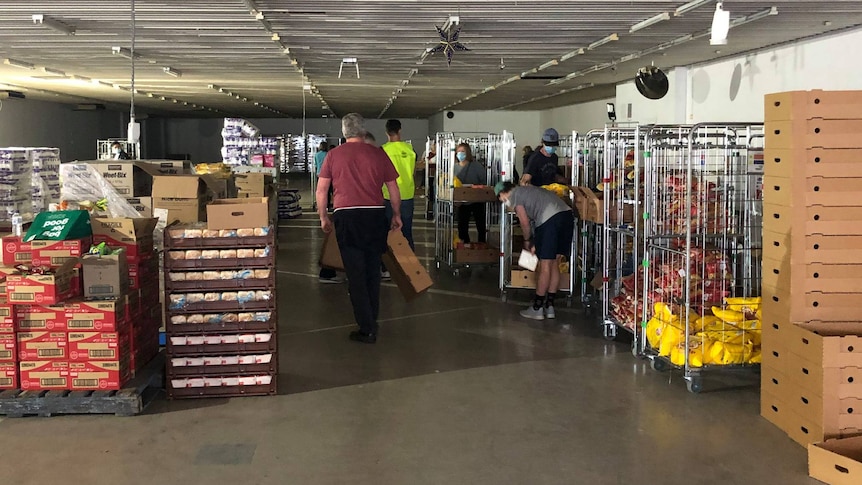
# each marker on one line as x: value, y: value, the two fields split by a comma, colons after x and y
x: 812, y: 272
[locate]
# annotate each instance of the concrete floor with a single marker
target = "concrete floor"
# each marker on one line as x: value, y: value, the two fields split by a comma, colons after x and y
x: 457, y: 390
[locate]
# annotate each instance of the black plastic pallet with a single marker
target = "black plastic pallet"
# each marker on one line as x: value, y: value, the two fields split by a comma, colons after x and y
x: 129, y: 401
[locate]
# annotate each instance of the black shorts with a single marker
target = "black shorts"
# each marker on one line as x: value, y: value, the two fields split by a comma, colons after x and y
x: 554, y: 237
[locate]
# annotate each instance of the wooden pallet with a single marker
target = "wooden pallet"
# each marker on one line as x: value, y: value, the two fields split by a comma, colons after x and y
x: 129, y: 401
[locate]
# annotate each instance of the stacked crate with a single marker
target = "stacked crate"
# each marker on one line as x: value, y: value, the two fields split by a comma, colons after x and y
x: 812, y: 274
x: 221, y: 311
x: 8, y: 348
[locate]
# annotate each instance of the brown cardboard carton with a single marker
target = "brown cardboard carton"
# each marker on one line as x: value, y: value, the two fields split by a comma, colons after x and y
x: 836, y: 462
x: 815, y: 306
x: 183, y: 196
x: 130, y: 179
x: 144, y: 205
x: 42, y: 346
x: 109, y: 375
x: 833, y: 278
x: 8, y: 375
x: 253, y: 185
x: 477, y: 256
x: 813, y: 248
x: 527, y: 280
x: 15, y: 251
x: 106, y: 277
x: 44, y: 375
x: 835, y: 382
x: 829, y: 344
x: 8, y: 347
x: 41, y: 317
x: 55, y: 253
x: 43, y: 289
x: 238, y: 213
x: 135, y: 235
x: 475, y: 193
x: 169, y: 167
x: 330, y: 255
x: 221, y: 187
x: 829, y: 221
x: 830, y: 105
x: 800, y: 163
x: 89, y: 346
x: 98, y: 316
x: 406, y: 269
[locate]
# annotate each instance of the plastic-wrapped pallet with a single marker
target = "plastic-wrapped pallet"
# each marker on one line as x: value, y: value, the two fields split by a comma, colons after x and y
x: 46, y: 177
x: 16, y: 171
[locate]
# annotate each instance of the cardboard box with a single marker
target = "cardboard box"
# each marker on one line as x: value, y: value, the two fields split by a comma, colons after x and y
x: 134, y: 308
x: 129, y: 178
x: 828, y: 221
x: 221, y: 187
x: 811, y: 248
x: 238, y: 213
x: 836, y: 462
x: 60, y: 226
x: 133, y: 235
x: 831, y: 105
x: 56, y: 253
x: 88, y: 346
x: 527, y: 280
x: 44, y: 375
x: 475, y: 193
x: 837, y: 382
x: 42, y: 346
x: 169, y: 167
x: 143, y: 274
x: 801, y: 163
x: 824, y: 344
x: 254, y: 185
x: 8, y: 316
x: 805, y: 278
x: 105, y: 277
x: 591, y: 207
x: 814, y: 133
x: 15, y: 251
x: 8, y: 347
x: 8, y: 375
x: 477, y: 256
x: 43, y: 289
x: 183, y: 196
x: 406, y: 269
x: 144, y: 205
x: 330, y: 254
x: 99, y: 375
x: 814, y: 306
x: 101, y: 316
x: 41, y: 318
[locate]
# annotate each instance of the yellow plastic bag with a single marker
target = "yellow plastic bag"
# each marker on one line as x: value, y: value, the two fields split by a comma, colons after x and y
x: 728, y: 316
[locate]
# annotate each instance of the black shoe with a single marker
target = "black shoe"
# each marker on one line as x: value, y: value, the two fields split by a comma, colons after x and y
x: 366, y: 338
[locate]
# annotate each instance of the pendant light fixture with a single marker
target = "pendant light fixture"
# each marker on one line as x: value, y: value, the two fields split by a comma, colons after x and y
x: 134, y: 130
x: 720, y: 25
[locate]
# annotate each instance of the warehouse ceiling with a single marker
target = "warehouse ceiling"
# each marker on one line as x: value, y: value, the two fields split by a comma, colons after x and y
x: 269, y: 58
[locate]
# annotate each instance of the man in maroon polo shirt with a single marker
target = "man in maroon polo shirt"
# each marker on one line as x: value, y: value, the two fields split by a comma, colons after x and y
x: 356, y: 170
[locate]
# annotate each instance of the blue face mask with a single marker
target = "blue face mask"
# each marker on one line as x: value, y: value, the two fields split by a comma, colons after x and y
x: 551, y: 150
x: 461, y: 156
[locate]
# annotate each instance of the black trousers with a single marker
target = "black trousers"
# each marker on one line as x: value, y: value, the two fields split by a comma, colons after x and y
x: 362, y: 237
x: 477, y: 212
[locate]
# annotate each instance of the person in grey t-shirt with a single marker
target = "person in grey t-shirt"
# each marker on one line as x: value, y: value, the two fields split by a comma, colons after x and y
x: 554, y: 224
x: 470, y: 172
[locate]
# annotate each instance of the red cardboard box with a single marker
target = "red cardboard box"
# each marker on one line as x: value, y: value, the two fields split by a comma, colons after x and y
x: 38, y: 346
x: 58, y: 253
x: 8, y: 343
x: 101, y: 316
x: 43, y: 289
x: 134, y: 306
x: 134, y: 235
x: 40, y: 317
x: 44, y: 375
x: 7, y: 318
x: 109, y: 375
x: 8, y: 375
x: 16, y: 251
x: 88, y: 346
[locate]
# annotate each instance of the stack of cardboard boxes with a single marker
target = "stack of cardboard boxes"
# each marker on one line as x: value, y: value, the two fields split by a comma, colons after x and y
x: 79, y: 327
x: 812, y: 275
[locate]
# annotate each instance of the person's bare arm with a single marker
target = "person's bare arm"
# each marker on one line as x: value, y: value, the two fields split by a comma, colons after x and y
x: 395, y: 200
x: 525, y: 227
x: 322, y: 194
x: 526, y: 179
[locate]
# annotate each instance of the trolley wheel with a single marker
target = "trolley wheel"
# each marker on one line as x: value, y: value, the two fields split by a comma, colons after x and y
x: 610, y: 338
x: 438, y: 264
x: 456, y: 272
x: 658, y: 364
x: 694, y: 384
x: 504, y: 296
x: 636, y: 351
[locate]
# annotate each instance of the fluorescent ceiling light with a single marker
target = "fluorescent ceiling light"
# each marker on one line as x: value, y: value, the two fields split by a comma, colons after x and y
x: 649, y: 22
x: 56, y: 72
x: 551, y: 63
x: 567, y: 56
x: 172, y: 72
x: 17, y: 63
x: 691, y: 6
x: 720, y: 25
x: 602, y: 42
x: 124, y: 52
x: 52, y: 24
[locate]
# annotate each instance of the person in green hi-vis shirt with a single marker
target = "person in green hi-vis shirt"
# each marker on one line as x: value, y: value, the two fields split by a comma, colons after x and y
x: 404, y: 158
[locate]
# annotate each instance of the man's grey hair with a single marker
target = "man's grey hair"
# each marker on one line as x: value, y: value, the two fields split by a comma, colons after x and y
x: 353, y: 125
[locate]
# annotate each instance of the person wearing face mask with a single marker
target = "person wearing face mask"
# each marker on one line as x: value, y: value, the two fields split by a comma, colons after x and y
x: 543, y: 165
x: 118, y: 153
x: 548, y: 225
x: 470, y: 172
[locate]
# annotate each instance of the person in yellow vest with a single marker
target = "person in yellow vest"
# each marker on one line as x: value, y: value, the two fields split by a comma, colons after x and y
x: 404, y: 158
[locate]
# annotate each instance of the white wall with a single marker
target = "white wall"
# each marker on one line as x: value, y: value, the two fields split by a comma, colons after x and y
x: 579, y: 117
x: 829, y: 63
x: 525, y: 125
x: 201, y: 138
x: 31, y: 123
x: 632, y: 106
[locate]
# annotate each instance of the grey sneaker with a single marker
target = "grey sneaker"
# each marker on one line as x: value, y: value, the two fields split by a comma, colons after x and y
x: 335, y: 280
x: 386, y: 276
x: 550, y: 314
x: 533, y: 314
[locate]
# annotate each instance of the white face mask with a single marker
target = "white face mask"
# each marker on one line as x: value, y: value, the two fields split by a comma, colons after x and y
x: 116, y: 151
x: 507, y: 203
